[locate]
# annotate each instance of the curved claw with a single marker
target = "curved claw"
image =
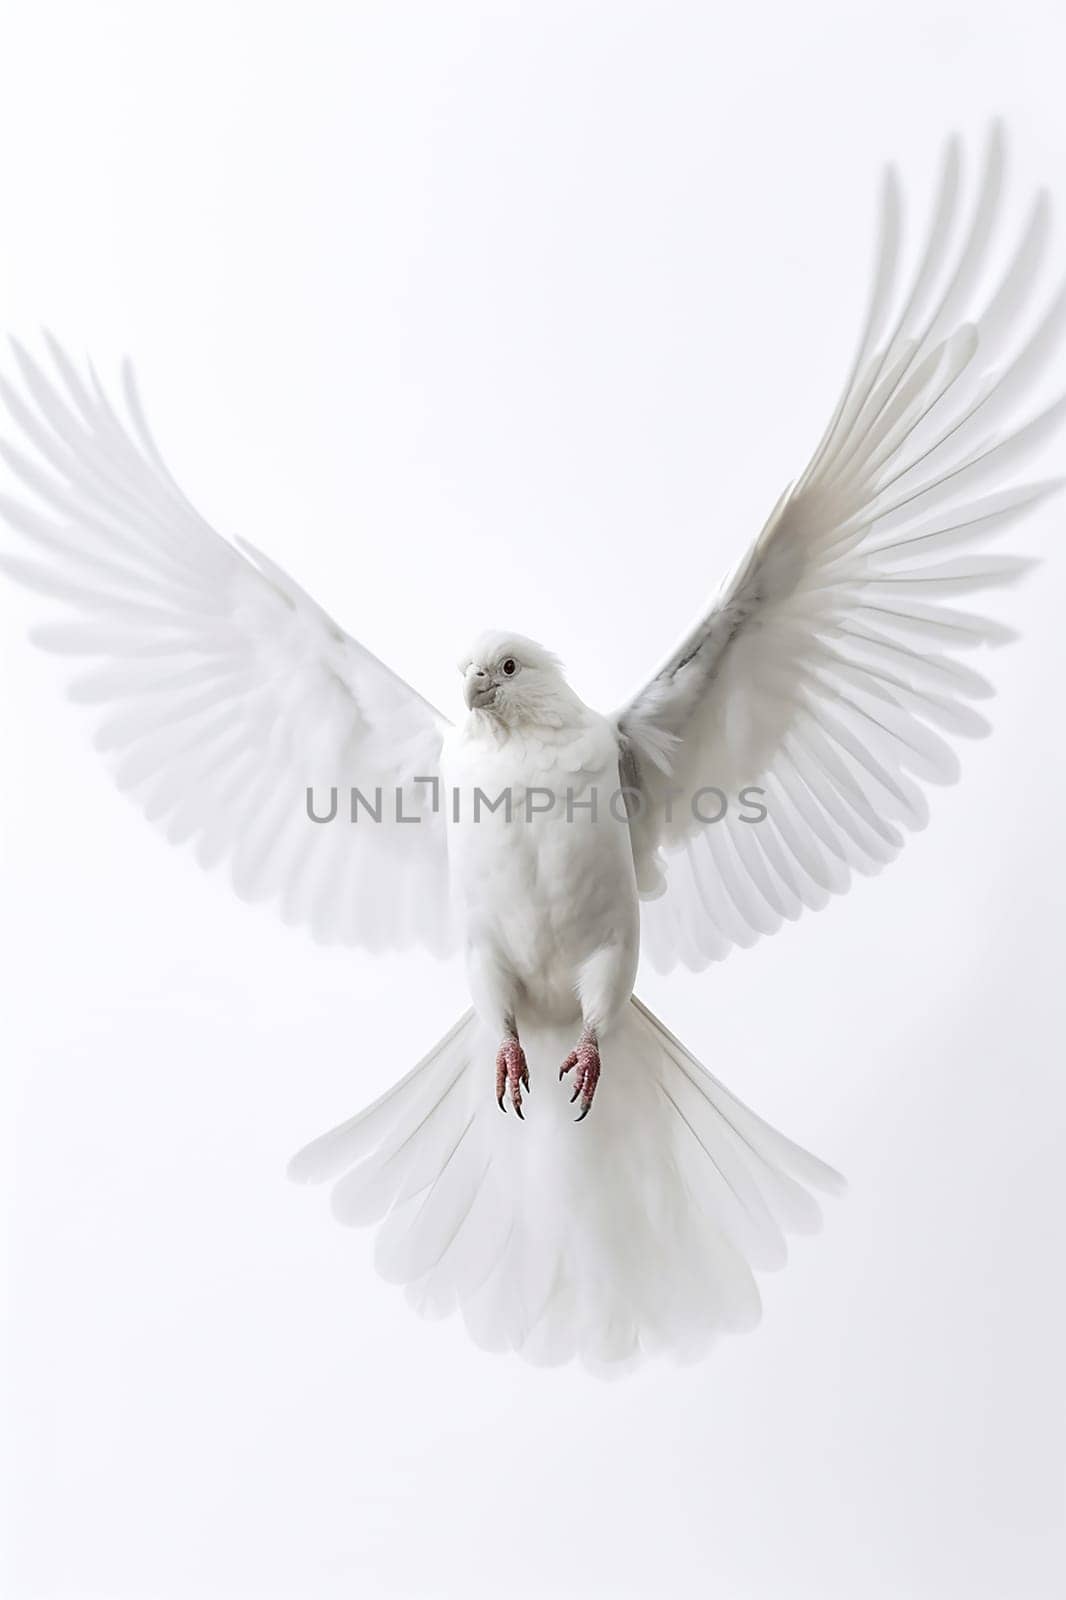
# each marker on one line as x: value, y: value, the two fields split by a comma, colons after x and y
x: 512, y: 1071
x: 586, y: 1058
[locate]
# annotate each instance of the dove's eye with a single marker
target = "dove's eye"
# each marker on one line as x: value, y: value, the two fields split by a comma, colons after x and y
x: 510, y: 667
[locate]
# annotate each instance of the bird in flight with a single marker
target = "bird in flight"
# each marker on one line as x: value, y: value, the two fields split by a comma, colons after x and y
x: 620, y: 1204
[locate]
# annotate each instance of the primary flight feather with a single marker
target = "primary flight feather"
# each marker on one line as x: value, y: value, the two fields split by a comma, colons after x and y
x: 547, y: 840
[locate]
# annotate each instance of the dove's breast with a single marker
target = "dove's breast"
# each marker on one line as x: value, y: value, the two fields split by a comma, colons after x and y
x: 540, y: 856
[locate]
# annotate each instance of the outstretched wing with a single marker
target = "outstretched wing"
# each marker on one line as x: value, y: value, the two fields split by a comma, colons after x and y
x: 826, y: 673
x: 229, y: 693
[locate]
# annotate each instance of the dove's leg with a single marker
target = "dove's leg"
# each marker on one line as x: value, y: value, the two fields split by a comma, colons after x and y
x: 586, y: 1058
x: 512, y: 1072
x: 604, y: 987
x: 493, y: 991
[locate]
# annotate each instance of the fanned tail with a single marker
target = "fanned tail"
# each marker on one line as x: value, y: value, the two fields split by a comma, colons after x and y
x: 637, y: 1233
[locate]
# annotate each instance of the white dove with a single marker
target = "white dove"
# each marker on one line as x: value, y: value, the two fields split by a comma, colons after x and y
x: 812, y: 697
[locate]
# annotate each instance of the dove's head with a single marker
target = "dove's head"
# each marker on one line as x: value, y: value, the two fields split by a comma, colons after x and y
x: 515, y: 680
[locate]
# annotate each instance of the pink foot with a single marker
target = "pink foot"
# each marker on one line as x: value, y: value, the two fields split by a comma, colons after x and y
x: 586, y: 1058
x: 511, y: 1069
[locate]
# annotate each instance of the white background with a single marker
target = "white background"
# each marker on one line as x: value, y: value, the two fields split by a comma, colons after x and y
x: 516, y: 314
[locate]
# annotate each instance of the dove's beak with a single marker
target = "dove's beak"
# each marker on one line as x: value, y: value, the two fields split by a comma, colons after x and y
x: 479, y: 689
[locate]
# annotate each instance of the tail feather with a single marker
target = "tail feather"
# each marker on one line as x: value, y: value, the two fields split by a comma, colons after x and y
x: 632, y: 1235
x: 335, y: 1152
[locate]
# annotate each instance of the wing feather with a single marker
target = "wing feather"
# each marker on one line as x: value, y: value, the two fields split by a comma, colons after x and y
x: 225, y: 691
x: 825, y: 673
